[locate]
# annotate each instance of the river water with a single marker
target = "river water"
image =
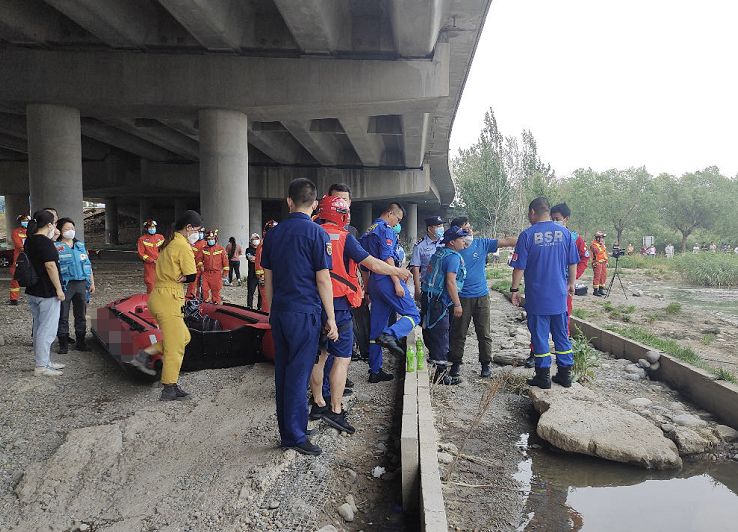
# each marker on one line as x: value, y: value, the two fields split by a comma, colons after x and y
x: 724, y: 300
x: 568, y: 492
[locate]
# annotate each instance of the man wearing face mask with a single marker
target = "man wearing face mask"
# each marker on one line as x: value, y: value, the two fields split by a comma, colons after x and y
x: 474, y: 299
x: 442, y: 281
x: 388, y: 294
x: 252, y: 282
x: 424, y: 249
x: 148, y: 251
x: 18, y: 237
x: 214, y: 268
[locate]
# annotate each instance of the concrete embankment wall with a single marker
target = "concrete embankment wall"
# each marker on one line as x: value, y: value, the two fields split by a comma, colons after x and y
x: 717, y: 397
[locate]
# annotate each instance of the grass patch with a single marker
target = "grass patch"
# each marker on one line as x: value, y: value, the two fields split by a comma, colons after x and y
x: 499, y: 272
x: 586, y: 358
x: 707, y: 339
x: 639, y: 262
x: 609, y: 307
x: 673, y: 348
x: 581, y: 313
x: 716, y: 270
x: 650, y: 317
x: 673, y: 308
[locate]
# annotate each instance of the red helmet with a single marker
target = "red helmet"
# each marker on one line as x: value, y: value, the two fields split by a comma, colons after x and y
x: 334, y: 209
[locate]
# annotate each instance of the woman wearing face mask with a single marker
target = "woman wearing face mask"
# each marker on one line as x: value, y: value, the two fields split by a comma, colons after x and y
x: 149, y: 245
x: 175, y: 266
x: 78, y: 284
x: 214, y: 268
x: 252, y: 281
x: 234, y: 251
x: 46, y: 295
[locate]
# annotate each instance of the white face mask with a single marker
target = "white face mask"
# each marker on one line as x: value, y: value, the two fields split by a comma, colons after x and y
x: 69, y: 235
x: 193, y: 238
x: 255, y: 243
x: 51, y: 233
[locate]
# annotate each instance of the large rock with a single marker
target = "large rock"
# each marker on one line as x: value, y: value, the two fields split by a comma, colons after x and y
x: 510, y: 358
x: 690, y: 441
x: 579, y: 421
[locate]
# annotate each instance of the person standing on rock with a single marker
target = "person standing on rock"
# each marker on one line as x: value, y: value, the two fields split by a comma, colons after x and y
x: 296, y: 259
x: 546, y: 255
x: 474, y: 299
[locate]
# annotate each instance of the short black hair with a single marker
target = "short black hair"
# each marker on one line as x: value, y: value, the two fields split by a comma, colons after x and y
x: 460, y: 221
x: 302, y: 192
x: 394, y: 205
x: 540, y: 205
x: 61, y: 221
x: 339, y: 187
x: 561, y: 208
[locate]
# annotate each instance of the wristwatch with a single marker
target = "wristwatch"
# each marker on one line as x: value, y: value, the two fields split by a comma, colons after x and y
x: 514, y: 289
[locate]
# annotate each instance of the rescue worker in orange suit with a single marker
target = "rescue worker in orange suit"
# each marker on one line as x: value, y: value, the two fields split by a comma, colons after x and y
x: 18, y: 237
x: 257, y: 265
x: 148, y: 251
x: 214, y: 268
x: 598, y: 250
x: 197, y: 251
x: 346, y: 255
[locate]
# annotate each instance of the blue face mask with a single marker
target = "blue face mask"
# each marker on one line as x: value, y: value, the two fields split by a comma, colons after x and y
x: 439, y: 232
x: 211, y: 242
x: 152, y: 230
x: 24, y: 224
x: 397, y: 229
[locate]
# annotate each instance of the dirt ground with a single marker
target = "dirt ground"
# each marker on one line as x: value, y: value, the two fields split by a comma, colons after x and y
x: 92, y: 450
x: 708, y: 331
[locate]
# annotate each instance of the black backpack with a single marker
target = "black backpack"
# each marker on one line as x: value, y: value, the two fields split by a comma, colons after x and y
x: 25, y: 273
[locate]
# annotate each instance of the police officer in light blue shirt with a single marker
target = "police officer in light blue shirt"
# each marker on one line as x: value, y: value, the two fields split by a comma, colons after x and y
x: 422, y: 252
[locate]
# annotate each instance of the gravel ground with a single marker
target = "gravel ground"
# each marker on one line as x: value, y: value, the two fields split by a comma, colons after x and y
x: 94, y: 450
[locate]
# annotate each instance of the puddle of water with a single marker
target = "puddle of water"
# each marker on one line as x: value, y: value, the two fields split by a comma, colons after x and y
x: 713, y: 299
x: 569, y: 492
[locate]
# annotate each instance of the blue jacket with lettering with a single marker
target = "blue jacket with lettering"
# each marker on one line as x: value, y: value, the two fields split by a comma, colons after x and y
x: 74, y: 263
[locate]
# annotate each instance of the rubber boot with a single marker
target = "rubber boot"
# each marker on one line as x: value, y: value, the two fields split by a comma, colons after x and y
x: 63, y: 344
x: 530, y: 362
x: 455, y: 369
x: 602, y: 291
x: 563, y: 376
x: 542, y: 379
x: 596, y: 292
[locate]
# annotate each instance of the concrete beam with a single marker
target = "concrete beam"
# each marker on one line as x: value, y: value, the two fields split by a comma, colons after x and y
x: 416, y: 24
x: 160, y: 135
x: 28, y: 22
x: 125, y: 141
x: 322, y: 146
x: 279, y: 146
x: 216, y: 24
x: 129, y: 84
x: 119, y: 24
x: 415, y: 135
x: 369, y: 147
x: 13, y: 143
x: 316, y: 25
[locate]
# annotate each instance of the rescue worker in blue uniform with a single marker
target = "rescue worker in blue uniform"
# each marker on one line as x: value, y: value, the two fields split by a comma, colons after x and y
x: 347, y: 254
x: 296, y: 260
x: 387, y: 294
x: 547, y: 256
x: 421, y: 256
x: 78, y: 283
x: 442, y: 282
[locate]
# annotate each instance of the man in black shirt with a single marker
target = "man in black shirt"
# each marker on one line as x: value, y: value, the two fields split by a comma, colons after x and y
x: 252, y: 282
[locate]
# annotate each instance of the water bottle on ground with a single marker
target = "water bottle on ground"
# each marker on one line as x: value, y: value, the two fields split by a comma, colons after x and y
x: 419, y: 354
x: 410, y: 355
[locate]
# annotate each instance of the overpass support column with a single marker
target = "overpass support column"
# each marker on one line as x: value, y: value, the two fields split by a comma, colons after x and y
x: 111, y: 221
x: 255, y: 217
x: 15, y: 205
x: 55, y: 160
x: 366, y: 218
x: 411, y: 226
x: 224, y: 172
x: 144, y: 213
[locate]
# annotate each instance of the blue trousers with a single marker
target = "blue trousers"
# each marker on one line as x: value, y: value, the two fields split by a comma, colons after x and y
x: 296, y: 336
x: 540, y: 328
x: 384, y: 302
x: 343, y: 347
x: 437, y: 336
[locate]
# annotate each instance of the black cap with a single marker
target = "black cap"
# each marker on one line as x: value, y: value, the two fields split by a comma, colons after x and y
x: 454, y: 232
x: 433, y: 220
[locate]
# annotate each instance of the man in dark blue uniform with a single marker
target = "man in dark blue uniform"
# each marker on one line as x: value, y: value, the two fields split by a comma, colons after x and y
x: 296, y: 259
x: 547, y: 255
x: 387, y: 293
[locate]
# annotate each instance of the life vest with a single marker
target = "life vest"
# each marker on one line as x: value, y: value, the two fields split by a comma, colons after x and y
x: 434, y: 279
x: 344, y: 277
x: 599, y: 251
x: 74, y: 263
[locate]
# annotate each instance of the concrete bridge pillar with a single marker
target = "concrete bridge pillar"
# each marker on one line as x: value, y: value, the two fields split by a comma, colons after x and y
x: 55, y: 160
x: 365, y: 218
x: 224, y: 172
x: 15, y: 205
x: 111, y: 221
x: 256, y: 225
x: 411, y: 222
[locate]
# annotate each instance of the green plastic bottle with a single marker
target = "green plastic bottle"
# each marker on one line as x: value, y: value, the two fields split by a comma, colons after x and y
x: 410, y: 359
x: 419, y: 353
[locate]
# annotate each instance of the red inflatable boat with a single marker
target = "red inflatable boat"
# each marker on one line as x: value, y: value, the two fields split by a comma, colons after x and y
x: 223, y: 336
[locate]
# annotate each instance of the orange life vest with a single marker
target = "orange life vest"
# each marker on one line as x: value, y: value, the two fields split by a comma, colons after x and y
x: 599, y: 251
x: 345, y: 279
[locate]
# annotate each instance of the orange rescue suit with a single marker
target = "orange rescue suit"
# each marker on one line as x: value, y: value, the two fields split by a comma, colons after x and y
x: 19, y: 238
x: 148, y: 252
x: 214, y: 268
x: 259, y: 271
x: 345, y: 280
x: 197, y: 251
x: 599, y: 264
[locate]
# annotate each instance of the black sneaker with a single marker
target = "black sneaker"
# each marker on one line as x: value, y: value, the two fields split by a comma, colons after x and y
x: 338, y: 421
x: 317, y: 412
x: 349, y: 383
x: 390, y: 342
x: 305, y: 448
x: 380, y: 377
x: 180, y: 392
x: 63, y: 345
x: 486, y: 371
x: 169, y: 393
x: 455, y: 369
x: 80, y: 344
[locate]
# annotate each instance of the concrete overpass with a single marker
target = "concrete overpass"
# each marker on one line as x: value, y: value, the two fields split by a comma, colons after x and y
x: 155, y: 106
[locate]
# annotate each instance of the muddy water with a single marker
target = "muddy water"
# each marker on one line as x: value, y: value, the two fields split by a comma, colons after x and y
x: 567, y: 492
x: 712, y: 299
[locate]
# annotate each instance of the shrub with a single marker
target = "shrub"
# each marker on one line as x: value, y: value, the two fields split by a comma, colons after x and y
x: 707, y: 339
x: 708, y: 269
x: 673, y: 308
x: 586, y: 358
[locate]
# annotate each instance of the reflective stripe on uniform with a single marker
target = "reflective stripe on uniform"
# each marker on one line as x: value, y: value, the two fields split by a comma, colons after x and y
x: 409, y: 318
x: 570, y: 351
x: 544, y: 355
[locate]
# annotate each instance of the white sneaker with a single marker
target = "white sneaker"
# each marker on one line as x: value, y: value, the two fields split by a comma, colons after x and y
x: 56, y: 365
x: 47, y: 372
